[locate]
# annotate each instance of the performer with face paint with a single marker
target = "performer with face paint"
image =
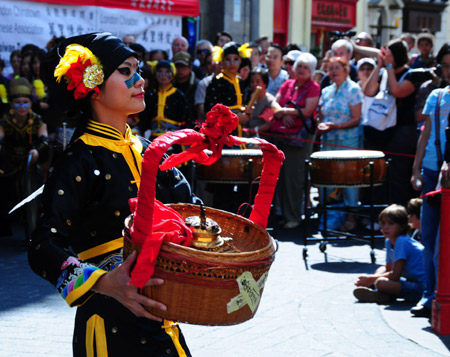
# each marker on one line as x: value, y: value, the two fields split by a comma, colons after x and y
x: 22, y: 133
x: 77, y: 244
x: 167, y: 107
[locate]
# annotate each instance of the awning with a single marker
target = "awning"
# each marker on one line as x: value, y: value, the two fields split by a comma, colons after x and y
x: 166, y: 7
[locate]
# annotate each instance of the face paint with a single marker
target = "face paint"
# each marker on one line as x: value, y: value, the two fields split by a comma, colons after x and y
x: 133, y: 80
x: 161, y: 74
x: 18, y: 106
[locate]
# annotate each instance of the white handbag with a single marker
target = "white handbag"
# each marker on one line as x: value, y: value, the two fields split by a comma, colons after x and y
x: 381, y: 110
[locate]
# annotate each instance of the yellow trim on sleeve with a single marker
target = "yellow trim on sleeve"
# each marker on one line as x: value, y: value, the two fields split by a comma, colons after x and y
x: 101, y: 249
x: 77, y: 293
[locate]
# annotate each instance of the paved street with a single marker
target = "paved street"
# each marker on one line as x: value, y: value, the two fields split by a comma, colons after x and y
x: 306, y: 310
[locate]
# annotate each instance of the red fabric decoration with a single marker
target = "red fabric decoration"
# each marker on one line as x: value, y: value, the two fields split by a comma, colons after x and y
x: 153, y: 222
x: 75, y: 75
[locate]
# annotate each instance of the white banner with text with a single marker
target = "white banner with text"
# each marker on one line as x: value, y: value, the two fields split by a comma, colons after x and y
x: 23, y: 22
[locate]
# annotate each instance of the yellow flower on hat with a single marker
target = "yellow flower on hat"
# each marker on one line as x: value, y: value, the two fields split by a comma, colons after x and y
x: 217, y: 54
x: 245, y: 51
x: 74, y: 53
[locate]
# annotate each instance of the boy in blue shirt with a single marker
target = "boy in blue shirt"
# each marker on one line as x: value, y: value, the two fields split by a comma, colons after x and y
x: 403, y: 276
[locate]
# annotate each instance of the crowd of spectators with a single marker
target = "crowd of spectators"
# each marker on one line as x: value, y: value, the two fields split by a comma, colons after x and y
x: 300, y: 102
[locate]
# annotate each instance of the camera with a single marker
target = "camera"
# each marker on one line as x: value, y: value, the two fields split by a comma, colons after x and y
x: 337, y: 35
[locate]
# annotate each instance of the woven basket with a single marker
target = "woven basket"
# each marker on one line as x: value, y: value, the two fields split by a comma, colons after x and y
x: 199, y: 284
x: 206, y: 287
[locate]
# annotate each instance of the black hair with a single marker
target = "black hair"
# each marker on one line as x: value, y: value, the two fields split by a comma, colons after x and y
x: 262, y: 38
x: 29, y: 48
x: 396, y: 214
x: 414, y: 206
x: 278, y: 47
x: 255, y: 45
x: 261, y: 72
x: 399, y: 51
x: 13, y: 54
x: 40, y: 54
x: 154, y: 52
x: 245, y: 62
x: 222, y: 33
x: 292, y: 47
x: 444, y: 50
x: 136, y: 47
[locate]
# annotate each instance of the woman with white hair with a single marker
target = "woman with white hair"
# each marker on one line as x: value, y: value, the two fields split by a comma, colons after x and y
x: 295, y: 105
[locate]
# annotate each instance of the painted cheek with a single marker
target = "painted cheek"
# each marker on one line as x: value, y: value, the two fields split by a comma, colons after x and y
x: 133, y: 80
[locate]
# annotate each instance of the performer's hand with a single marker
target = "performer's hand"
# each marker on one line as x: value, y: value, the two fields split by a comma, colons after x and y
x: 116, y: 284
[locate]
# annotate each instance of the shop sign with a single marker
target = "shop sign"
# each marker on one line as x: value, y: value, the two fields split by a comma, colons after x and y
x: 334, y: 14
x: 423, y: 19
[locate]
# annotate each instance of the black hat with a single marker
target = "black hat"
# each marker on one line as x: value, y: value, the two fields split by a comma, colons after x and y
x: 230, y: 48
x: 109, y: 50
x: 165, y: 64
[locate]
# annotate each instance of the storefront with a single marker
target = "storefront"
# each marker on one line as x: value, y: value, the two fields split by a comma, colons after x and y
x: 329, y: 21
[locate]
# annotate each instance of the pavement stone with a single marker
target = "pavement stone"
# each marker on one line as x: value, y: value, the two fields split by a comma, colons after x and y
x: 305, y: 310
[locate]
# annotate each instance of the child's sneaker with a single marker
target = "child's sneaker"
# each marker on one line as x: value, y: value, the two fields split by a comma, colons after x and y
x: 369, y: 295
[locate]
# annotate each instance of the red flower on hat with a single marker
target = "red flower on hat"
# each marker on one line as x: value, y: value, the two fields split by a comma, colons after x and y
x: 75, y: 75
x: 82, y: 70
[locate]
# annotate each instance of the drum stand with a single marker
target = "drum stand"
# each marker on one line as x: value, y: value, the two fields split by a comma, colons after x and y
x: 367, y: 211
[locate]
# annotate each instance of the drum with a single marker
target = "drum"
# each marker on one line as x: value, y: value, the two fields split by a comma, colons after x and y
x: 233, y: 167
x: 347, y: 168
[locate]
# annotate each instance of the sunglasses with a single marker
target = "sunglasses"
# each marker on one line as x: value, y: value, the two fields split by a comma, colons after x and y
x: 366, y: 69
x: 205, y: 51
x: 289, y: 63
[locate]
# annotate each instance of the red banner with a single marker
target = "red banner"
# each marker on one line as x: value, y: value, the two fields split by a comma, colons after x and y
x: 334, y: 14
x: 165, y: 7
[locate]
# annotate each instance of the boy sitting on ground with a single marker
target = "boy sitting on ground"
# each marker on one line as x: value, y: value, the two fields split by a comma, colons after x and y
x: 403, y: 276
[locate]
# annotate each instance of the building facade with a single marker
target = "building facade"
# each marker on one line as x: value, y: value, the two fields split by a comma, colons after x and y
x: 313, y: 24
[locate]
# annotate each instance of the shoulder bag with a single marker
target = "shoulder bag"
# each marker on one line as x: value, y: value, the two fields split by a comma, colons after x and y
x: 382, y: 109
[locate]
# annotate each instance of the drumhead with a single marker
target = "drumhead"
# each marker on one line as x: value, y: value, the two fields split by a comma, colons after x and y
x: 239, y: 152
x: 347, y: 155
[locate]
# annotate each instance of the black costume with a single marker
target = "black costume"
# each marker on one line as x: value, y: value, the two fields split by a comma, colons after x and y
x: 225, y: 89
x: 166, y: 110
x: 79, y: 237
x: 79, y: 234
